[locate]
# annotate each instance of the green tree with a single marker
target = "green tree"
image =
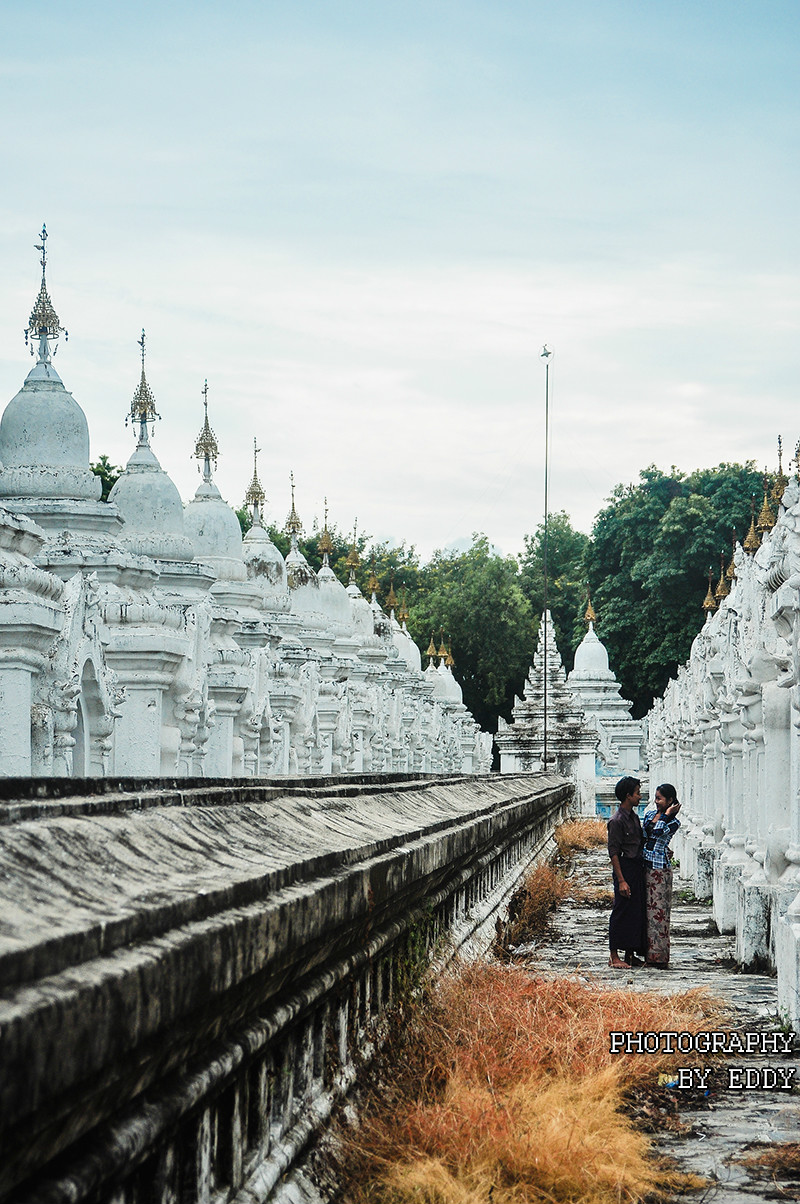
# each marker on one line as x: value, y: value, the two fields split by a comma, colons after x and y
x: 476, y: 597
x: 566, y: 580
x: 108, y: 473
x: 648, y: 562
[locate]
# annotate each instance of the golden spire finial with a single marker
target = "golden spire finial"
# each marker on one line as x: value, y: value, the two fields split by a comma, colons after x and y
x: 751, y: 541
x: 402, y: 613
x: 143, y: 406
x: 206, y: 448
x: 325, y: 544
x: 255, y: 495
x: 766, y: 519
x: 781, y: 480
x: 373, y: 585
x: 294, y: 527
x: 442, y: 649
x: 709, y: 603
x: 730, y: 572
x: 448, y: 660
x: 723, y: 589
x: 44, y: 323
x: 391, y: 597
x: 431, y: 652
x: 590, y: 616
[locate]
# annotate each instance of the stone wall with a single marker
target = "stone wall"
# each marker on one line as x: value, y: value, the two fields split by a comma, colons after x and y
x: 191, y: 973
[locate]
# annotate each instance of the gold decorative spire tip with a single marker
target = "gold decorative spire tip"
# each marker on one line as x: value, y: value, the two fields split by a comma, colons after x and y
x: 206, y: 448
x: 325, y: 545
x: 44, y: 323
x: 255, y: 495
x: 143, y: 406
x: 293, y: 527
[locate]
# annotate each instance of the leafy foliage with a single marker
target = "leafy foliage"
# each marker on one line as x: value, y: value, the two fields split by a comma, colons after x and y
x: 108, y: 473
x: 648, y: 562
x: 476, y: 598
x: 566, y: 580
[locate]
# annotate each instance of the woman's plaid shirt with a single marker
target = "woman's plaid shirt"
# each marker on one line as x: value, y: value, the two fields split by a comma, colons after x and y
x: 658, y: 832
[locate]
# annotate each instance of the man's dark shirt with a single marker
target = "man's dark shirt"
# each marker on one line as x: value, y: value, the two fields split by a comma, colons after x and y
x: 625, y: 834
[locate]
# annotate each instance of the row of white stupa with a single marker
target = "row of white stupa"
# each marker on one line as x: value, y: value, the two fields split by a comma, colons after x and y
x: 141, y: 637
x: 727, y: 734
x: 583, y: 729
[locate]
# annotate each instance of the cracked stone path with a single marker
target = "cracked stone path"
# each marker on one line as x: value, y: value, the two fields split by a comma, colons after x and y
x: 700, y: 957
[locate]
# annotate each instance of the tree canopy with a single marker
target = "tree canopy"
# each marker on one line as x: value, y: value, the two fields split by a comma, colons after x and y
x: 476, y: 598
x: 566, y: 580
x: 108, y: 473
x: 648, y: 561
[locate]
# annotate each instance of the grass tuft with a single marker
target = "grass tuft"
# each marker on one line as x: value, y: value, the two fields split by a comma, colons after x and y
x: 503, y: 1088
x: 531, y: 909
x: 579, y: 835
x: 780, y: 1161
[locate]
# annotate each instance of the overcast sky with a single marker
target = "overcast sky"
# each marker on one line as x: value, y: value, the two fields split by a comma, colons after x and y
x: 361, y: 221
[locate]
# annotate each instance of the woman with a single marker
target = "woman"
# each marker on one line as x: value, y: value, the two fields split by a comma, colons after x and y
x: 660, y: 822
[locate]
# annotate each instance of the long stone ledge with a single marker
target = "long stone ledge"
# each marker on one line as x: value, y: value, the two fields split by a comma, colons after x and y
x: 137, y: 943
x: 43, y: 798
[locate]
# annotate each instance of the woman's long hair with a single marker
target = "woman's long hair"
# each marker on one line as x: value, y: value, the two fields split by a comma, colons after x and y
x: 668, y: 792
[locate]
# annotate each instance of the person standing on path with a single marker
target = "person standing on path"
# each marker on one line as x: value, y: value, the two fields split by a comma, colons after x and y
x: 660, y: 823
x: 627, y: 927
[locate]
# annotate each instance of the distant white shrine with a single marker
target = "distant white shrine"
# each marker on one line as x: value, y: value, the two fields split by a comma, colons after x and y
x: 591, y: 736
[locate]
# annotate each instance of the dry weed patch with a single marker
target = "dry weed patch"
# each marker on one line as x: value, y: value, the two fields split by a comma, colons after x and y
x: 578, y: 835
x: 779, y: 1161
x: 592, y: 895
x: 530, y: 909
x: 506, y: 1090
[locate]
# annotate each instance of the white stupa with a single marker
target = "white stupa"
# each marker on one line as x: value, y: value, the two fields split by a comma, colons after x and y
x: 598, y: 691
x: 44, y: 456
x: 148, y: 500
x: 264, y: 564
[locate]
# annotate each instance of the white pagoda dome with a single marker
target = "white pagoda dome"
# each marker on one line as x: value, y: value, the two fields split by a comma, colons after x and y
x: 145, y: 495
x: 44, y: 435
x: 263, y: 562
x: 208, y: 521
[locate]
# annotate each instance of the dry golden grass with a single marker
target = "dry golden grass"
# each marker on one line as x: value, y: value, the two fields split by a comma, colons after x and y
x: 781, y: 1161
x: 531, y: 908
x: 592, y: 895
x: 533, y: 1142
x: 504, y: 1088
x: 579, y: 835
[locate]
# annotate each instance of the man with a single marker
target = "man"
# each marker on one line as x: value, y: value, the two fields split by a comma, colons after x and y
x: 627, y: 925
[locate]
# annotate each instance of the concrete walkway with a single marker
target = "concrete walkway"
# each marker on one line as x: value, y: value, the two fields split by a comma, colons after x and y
x: 732, y: 1119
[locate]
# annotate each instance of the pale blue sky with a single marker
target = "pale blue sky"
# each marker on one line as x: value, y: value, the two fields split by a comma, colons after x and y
x: 361, y: 221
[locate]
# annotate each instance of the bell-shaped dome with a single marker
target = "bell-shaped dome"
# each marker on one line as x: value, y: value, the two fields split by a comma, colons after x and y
x: 591, y: 658
x: 208, y: 521
x: 446, y: 688
x: 215, y: 532
x: 44, y: 436
x: 334, y: 602
x: 152, y: 508
x: 265, y: 564
x: 145, y: 496
x: 361, y: 611
x: 407, y: 650
x: 306, y: 601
